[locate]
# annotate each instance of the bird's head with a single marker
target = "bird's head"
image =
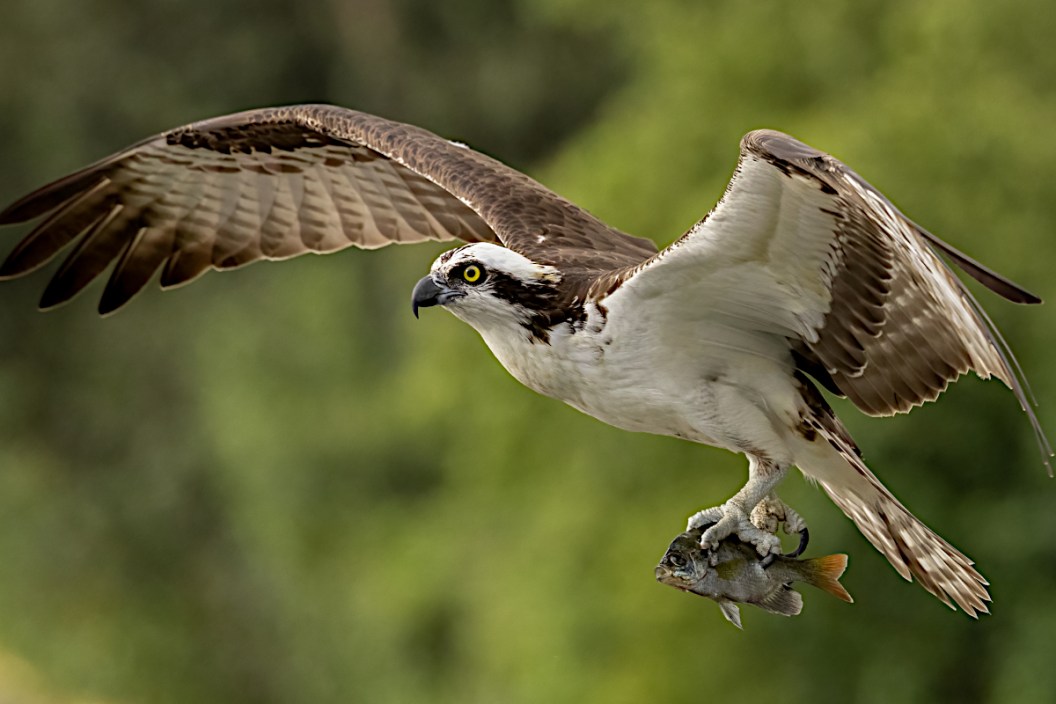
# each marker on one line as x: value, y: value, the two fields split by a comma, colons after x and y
x: 488, y: 286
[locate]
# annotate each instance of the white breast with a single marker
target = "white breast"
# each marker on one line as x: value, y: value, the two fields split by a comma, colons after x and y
x: 624, y: 372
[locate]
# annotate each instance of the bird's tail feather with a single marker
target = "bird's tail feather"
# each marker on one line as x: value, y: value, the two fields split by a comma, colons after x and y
x: 912, y: 548
x: 832, y: 459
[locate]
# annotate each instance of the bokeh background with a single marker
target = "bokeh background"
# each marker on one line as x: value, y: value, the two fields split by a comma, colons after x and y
x: 277, y: 486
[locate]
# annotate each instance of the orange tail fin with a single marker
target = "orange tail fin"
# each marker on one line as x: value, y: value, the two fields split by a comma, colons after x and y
x: 825, y: 572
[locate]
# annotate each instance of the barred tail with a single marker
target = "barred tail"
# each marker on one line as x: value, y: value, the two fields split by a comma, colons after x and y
x: 909, y: 545
x: 830, y: 457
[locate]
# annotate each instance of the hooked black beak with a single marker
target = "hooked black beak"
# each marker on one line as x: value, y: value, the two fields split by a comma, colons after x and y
x: 426, y: 293
x: 429, y: 293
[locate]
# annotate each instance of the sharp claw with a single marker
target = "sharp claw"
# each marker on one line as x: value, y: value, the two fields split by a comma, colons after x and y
x: 804, y: 538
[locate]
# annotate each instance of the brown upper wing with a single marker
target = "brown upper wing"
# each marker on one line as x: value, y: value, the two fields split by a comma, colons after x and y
x: 280, y: 182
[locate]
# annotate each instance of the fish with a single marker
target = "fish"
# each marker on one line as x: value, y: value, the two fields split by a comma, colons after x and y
x: 734, y: 573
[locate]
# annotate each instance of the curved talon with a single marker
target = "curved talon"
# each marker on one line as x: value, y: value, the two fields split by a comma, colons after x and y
x: 699, y: 530
x: 804, y: 538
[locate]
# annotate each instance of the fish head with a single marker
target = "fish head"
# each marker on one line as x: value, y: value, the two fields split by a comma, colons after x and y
x: 684, y: 564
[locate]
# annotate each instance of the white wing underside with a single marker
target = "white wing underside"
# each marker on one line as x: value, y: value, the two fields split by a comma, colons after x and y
x: 805, y: 255
x: 804, y: 263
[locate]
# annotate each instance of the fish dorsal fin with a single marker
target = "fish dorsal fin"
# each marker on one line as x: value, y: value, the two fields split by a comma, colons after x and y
x: 825, y: 572
x: 784, y: 600
x: 731, y: 612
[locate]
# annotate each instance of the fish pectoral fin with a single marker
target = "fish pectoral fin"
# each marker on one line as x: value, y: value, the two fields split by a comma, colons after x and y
x: 784, y: 600
x: 731, y: 612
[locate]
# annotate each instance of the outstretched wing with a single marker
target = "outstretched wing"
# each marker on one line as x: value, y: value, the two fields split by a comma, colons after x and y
x: 280, y: 182
x: 802, y: 247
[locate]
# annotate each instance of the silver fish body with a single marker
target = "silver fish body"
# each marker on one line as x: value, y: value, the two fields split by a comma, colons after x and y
x: 734, y: 573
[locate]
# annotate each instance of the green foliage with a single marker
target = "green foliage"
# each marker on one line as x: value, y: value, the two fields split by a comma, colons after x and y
x: 277, y: 486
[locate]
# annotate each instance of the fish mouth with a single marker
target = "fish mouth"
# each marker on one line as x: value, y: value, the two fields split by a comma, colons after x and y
x: 672, y: 579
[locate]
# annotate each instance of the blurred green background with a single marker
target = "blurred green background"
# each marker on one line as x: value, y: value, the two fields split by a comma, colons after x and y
x: 276, y: 486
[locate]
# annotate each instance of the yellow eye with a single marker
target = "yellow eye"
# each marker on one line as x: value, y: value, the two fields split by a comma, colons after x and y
x: 471, y: 273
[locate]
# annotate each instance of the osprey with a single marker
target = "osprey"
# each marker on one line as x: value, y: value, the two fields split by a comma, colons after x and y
x: 803, y: 274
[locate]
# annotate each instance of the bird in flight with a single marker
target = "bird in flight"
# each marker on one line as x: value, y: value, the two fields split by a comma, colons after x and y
x: 803, y: 275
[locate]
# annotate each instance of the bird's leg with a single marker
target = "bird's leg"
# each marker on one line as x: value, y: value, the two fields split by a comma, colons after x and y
x: 732, y: 517
x: 772, y: 513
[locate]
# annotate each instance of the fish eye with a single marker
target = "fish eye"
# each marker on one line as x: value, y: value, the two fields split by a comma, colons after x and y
x: 473, y: 274
x: 677, y: 560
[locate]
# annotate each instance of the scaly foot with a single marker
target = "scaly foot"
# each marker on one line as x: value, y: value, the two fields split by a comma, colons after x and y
x: 772, y: 513
x: 730, y: 519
